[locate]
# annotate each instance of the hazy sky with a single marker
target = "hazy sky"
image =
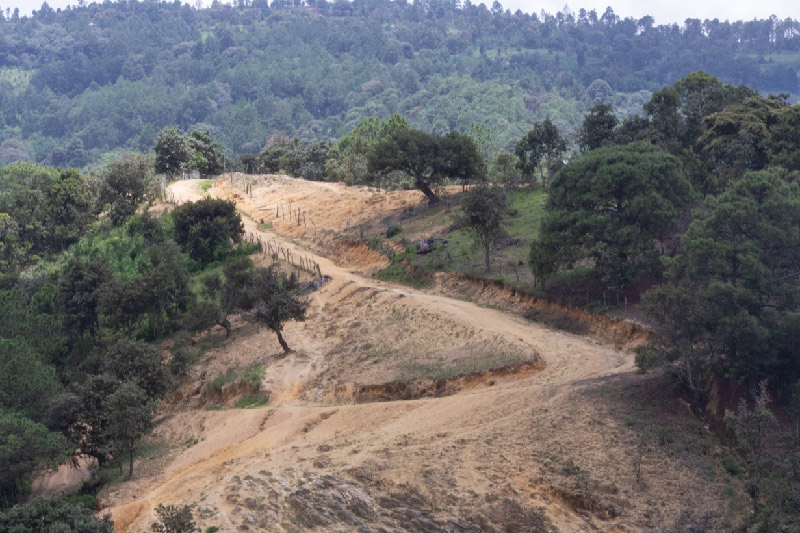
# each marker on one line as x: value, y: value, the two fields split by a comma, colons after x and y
x: 664, y: 11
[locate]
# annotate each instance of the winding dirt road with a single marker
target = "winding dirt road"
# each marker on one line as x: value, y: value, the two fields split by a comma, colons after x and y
x: 460, y: 452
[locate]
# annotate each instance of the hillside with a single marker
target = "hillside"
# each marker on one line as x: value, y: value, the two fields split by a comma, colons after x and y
x: 78, y: 83
x: 398, y: 410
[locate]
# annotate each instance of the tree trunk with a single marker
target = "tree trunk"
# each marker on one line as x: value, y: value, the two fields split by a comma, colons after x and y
x: 285, y: 346
x: 130, y: 467
x: 488, y: 251
x: 426, y: 190
x: 225, y: 323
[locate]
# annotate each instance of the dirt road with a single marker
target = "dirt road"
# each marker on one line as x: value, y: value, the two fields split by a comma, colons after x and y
x: 538, y: 451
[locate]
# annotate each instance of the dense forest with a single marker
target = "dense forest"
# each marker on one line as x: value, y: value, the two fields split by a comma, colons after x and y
x: 80, y: 82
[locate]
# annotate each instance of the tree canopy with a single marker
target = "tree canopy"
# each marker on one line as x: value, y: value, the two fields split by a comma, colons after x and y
x: 610, y: 207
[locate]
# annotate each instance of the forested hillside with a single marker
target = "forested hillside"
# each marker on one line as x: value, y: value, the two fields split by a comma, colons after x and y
x: 77, y: 83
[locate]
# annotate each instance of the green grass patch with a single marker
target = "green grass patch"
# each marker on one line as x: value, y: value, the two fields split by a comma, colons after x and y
x: 254, y: 374
x: 252, y: 401
x: 223, y: 379
x: 205, y: 185
x: 401, y: 273
x: 462, y: 254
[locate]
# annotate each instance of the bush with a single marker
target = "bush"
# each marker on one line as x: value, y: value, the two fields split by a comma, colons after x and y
x: 57, y: 514
x: 174, y: 519
x: 393, y: 230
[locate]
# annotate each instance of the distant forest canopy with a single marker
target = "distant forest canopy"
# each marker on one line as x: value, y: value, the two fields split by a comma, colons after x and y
x: 78, y: 83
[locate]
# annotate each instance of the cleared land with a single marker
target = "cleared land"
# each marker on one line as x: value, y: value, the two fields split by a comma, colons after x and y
x: 411, y: 410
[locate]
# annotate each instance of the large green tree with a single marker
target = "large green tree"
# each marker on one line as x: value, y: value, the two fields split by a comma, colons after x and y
x: 412, y: 152
x: 209, y: 155
x: 25, y: 447
x: 598, y: 127
x: 607, y: 210
x: 740, y: 263
x: 130, y: 417
x: 540, y: 149
x: 173, y: 151
x: 79, y: 296
x: 207, y: 227
x: 138, y: 362
x: 125, y: 182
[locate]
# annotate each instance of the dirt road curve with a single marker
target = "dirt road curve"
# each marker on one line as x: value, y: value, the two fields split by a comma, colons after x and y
x: 462, y: 455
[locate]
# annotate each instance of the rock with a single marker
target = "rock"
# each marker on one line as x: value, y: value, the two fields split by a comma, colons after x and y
x: 254, y: 505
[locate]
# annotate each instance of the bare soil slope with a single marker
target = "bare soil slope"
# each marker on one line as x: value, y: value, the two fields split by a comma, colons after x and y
x: 410, y: 411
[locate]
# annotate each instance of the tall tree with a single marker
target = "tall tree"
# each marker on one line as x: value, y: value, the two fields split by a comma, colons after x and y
x: 173, y: 151
x: 598, y: 127
x: 413, y: 152
x: 25, y: 447
x: 211, y: 158
x: 460, y: 159
x: 540, y: 149
x: 275, y: 302
x: 140, y: 363
x: 232, y: 290
x: 741, y: 260
x: 609, y: 207
x: 79, y: 296
x: 130, y: 417
x: 484, y: 209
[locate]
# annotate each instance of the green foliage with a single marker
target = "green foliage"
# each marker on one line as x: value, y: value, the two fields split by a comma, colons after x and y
x: 254, y: 374
x: 484, y: 210
x: 129, y: 412
x: 25, y: 446
x: 739, y: 263
x: 207, y: 228
x: 246, y: 72
x: 252, y: 401
x: 402, y: 271
x: 220, y: 381
x: 174, y: 152
x: 428, y: 159
x: 540, y: 150
x: 30, y: 315
x: 42, y: 210
x: 140, y: 363
x: 504, y: 168
x: 211, y: 154
x: 739, y: 138
x: 174, y: 519
x: 26, y: 381
x: 125, y: 182
x: 394, y: 231
x: 56, y: 515
x: 598, y: 127
x: 750, y: 428
x: 609, y: 207
x: 274, y: 301
x: 295, y: 158
x: 79, y: 296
